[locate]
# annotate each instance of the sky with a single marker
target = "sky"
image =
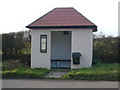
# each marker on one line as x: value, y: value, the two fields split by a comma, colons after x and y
x: 15, y: 15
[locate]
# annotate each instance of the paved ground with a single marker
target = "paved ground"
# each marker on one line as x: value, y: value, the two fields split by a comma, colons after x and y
x: 58, y: 84
x: 55, y: 74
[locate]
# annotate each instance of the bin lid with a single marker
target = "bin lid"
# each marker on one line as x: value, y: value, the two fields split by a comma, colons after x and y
x: 76, y: 54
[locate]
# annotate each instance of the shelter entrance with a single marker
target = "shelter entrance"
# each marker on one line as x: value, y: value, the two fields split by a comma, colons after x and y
x: 61, y: 49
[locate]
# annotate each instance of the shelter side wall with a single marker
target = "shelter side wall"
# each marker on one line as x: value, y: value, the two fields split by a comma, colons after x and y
x: 82, y: 42
x: 38, y: 59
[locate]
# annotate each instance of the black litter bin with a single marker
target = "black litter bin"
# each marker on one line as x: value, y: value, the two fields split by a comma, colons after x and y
x: 76, y: 57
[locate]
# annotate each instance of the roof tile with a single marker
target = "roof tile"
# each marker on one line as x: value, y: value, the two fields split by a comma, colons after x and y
x: 62, y: 17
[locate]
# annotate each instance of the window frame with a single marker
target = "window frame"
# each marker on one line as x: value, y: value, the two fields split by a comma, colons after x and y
x: 42, y: 37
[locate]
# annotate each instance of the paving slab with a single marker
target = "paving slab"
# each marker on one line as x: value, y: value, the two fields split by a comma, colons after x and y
x: 55, y: 74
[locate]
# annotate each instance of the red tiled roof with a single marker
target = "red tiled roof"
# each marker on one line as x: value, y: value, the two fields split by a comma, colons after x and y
x: 62, y: 17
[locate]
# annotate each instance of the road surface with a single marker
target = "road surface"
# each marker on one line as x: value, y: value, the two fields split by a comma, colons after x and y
x: 42, y: 83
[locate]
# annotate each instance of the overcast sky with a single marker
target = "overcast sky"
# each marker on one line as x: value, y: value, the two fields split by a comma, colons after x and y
x: 16, y: 14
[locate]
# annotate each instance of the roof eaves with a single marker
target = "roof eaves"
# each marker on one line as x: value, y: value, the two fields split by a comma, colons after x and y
x: 94, y: 28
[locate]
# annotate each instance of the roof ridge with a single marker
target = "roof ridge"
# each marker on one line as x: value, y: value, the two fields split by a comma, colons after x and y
x: 63, y: 8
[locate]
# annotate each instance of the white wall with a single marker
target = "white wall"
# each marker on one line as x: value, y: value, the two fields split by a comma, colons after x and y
x: 38, y: 59
x: 82, y: 42
x: 60, y: 46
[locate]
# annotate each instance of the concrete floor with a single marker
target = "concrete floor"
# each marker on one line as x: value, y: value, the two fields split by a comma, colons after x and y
x: 55, y: 74
x: 57, y: 84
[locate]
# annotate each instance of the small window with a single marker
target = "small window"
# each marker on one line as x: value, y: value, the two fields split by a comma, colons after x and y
x: 43, y: 43
x: 76, y: 61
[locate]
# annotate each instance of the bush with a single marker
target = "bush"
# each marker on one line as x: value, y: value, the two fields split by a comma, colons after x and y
x: 97, y: 72
x: 23, y: 58
x: 17, y: 45
x: 97, y: 62
x: 106, y: 49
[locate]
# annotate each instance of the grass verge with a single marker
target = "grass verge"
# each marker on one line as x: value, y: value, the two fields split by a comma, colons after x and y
x: 25, y: 73
x: 97, y: 72
x: 13, y: 69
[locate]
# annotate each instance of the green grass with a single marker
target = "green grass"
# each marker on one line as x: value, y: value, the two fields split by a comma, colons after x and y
x: 25, y: 73
x: 97, y: 72
x: 12, y: 69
